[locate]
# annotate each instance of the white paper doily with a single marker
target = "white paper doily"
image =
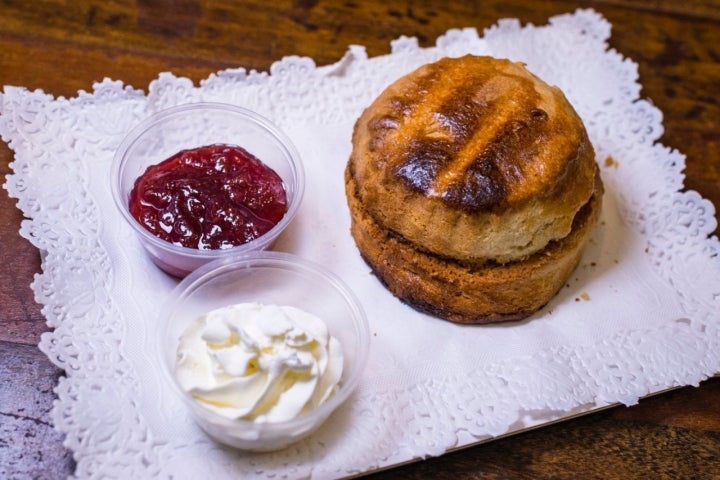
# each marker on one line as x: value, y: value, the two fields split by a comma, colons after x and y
x: 639, y: 315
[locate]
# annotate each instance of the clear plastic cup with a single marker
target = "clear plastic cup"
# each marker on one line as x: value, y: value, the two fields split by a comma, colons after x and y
x: 269, y: 278
x: 195, y: 125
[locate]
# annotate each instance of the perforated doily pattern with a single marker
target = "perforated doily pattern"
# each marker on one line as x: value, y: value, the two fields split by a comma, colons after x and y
x: 638, y: 316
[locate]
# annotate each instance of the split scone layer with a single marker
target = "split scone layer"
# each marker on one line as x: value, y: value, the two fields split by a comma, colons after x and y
x: 473, y: 188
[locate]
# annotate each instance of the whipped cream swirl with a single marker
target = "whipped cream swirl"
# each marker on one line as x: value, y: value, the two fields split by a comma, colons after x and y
x: 265, y: 363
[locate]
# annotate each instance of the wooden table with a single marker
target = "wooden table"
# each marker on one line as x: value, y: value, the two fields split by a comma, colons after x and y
x: 62, y: 47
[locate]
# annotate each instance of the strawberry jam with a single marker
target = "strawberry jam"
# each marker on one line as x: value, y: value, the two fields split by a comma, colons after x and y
x: 211, y: 197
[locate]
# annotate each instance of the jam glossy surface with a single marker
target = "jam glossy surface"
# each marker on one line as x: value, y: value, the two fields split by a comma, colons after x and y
x: 211, y: 197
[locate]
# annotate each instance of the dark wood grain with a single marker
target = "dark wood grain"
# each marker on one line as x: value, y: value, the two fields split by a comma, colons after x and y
x: 29, y: 446
x: 62, y: 47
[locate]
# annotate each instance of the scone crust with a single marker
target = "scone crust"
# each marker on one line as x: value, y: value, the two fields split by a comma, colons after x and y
x: 473, y: 158
x: 468, y: 293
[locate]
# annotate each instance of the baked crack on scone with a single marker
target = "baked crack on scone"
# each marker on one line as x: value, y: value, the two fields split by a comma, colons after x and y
x: 473, y: 189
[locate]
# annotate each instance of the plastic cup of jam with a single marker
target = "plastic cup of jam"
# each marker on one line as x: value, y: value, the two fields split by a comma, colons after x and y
x: 198, y: 131
x: 271, y: 278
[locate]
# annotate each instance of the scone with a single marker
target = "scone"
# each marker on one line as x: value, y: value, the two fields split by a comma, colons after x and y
x: 473, y: 188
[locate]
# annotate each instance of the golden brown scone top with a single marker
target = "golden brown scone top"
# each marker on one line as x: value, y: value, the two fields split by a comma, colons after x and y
x: 473, y: 158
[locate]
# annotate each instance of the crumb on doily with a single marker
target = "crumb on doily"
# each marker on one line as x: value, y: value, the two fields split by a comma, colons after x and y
x: 610, y: 162
x: 583, y: 296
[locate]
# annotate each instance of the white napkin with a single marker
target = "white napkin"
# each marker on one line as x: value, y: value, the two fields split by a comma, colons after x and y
x: 638, y: 316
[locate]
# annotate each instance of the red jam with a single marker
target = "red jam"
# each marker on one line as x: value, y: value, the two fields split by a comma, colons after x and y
x: 211, y: 197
